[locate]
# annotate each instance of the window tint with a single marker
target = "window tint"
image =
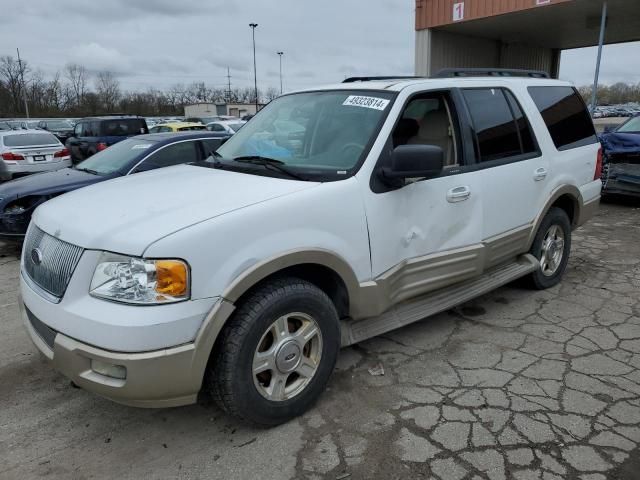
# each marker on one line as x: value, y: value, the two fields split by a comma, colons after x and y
x: 123, y: 127
x: 495, y: 128
x: 30, y: 139
x: 211, y: 145
x: 565, y: 115
x: 175, y: 154
x: 528, y: 145
x: 216, y: 127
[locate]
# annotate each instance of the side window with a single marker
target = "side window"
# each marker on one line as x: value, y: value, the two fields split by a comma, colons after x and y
x: 78, y: 130
x: 427, y: 120
x: 210, y: 145
x: 216, y: 127
x: 154, y: 129
x: 495, y: 127
x: 565, y: 115
x: 183, y: 152
x: 524, y: 128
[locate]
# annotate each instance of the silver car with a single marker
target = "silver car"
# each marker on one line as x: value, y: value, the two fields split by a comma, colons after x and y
x: 30, y: 151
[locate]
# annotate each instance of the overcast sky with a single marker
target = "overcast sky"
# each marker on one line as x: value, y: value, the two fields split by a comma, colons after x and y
x: 157, y: 43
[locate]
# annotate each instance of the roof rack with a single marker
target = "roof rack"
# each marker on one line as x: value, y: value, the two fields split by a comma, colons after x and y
x: 371, y: 79
x: 489, y: 72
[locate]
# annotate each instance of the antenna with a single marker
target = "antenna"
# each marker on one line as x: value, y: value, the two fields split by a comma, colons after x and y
x: 229, y: 85
x: 24, y: 86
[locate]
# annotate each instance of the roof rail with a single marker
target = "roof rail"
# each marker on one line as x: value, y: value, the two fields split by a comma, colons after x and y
x: 370, y: 79
x: 489, y: 72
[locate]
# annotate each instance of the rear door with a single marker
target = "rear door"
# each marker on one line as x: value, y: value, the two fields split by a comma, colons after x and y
x: 74, y: 142
x: 513, y: 172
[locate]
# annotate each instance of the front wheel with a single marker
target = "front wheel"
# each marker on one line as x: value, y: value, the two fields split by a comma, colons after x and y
x: 551, y: 246
x: 276, y: 355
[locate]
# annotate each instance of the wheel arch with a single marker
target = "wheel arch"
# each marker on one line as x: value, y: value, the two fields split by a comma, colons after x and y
x: 567, y: 198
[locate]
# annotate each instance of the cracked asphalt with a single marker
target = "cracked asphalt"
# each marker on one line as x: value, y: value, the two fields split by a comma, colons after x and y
x: 517, y: 385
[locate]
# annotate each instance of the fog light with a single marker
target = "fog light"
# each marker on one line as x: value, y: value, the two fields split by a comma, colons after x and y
x: 109, y: 370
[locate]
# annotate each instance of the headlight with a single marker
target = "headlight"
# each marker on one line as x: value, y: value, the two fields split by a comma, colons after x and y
x: 140, y: 281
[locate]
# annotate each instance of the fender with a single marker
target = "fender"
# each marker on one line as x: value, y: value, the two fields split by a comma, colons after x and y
x: 574, y: 193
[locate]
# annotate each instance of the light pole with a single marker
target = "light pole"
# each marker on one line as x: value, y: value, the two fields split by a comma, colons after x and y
x: 255, y: 75
x: 280, y: 55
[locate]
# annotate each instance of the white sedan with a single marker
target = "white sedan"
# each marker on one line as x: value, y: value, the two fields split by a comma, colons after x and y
x: 228, y: 126
x: 30, y: 151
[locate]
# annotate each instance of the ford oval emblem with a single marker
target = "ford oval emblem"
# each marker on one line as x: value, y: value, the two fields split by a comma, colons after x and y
x: 36, y: 256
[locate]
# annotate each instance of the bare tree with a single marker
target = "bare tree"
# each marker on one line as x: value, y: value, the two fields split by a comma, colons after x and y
x: 77, y: 76
x: 11, y: 75
x: 271, y: 94
x: 108, y: 90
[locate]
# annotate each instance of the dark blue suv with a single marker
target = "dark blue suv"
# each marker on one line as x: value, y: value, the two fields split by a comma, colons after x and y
x: 94, y: 134
x: 20, y: 197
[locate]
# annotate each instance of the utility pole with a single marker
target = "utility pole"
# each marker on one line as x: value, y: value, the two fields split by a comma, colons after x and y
x: 603, y: 27
x: 255, y: 74
x: 24, y: 86
x: 229, y: 85
x: 280, y: 55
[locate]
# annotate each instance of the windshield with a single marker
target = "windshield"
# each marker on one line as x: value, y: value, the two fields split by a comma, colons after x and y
x: 315, y: 133
x: 631, y: 126
x: 30, y: 140
x: 115, y: 157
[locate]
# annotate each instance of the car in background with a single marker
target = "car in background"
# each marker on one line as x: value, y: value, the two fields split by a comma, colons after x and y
x: 206, y: 120
x: 30, y: 151
x: 621, y: 158
x: 176, y: 127
x: 229, y: 127
x: 20, y: 197
x: 94, y: 134
x: 61, y: 128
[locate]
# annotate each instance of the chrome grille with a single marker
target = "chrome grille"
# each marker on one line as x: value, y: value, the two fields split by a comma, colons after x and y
x: 48, y: 261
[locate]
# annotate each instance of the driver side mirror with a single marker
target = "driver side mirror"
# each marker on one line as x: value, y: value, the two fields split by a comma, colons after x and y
x: 413, y: 161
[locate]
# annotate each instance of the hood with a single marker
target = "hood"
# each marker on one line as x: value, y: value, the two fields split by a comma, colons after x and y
x: 48, y: 183
x: 620, y: 142
x: 127, y: 214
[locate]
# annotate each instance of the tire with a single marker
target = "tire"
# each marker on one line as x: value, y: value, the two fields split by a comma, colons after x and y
x: 250, y: 340
x: 555, y: 227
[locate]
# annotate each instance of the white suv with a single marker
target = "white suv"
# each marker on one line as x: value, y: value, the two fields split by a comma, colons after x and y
x: 334, y: 215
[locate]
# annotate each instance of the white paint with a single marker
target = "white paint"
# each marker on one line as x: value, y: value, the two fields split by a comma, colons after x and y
x: 458, y: 11
x: 223, y: 223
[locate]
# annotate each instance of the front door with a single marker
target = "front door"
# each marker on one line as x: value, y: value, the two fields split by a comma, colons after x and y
x: 427, y: 234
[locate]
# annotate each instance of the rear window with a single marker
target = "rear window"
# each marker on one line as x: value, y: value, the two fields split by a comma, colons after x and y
x: 30, y: 139
x: 192, y: 127
x: 123, y: 127
x: 565, y: 115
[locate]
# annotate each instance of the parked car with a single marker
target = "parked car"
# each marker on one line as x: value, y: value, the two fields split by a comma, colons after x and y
x: 30, y: 151
x: 176, y: 127
x: 62, y: 129
x: 206, y: 120
x: 243, y: 275
x: 94, y: 134
x: 621, y: 169
x: 229, y: 127
x: 19, y: 198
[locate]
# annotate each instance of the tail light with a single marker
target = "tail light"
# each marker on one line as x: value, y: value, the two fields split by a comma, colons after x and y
x: 62, y: 153
x: 101, y: 146
x: 598, y: 173
x: 12, y: 156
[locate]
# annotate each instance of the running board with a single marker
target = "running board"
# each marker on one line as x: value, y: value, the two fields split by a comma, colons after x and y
x: 438, y: 301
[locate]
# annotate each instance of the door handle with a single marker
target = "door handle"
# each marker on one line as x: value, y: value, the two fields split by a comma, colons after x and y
x: 540, y: 174
x: 458, y: 194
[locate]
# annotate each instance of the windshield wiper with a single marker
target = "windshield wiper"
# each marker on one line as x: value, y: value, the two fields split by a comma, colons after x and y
x: 269, y: 163
x: 88, y: 170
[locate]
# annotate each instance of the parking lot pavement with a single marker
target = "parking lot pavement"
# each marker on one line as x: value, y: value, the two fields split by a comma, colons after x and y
x: 517, y: 384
